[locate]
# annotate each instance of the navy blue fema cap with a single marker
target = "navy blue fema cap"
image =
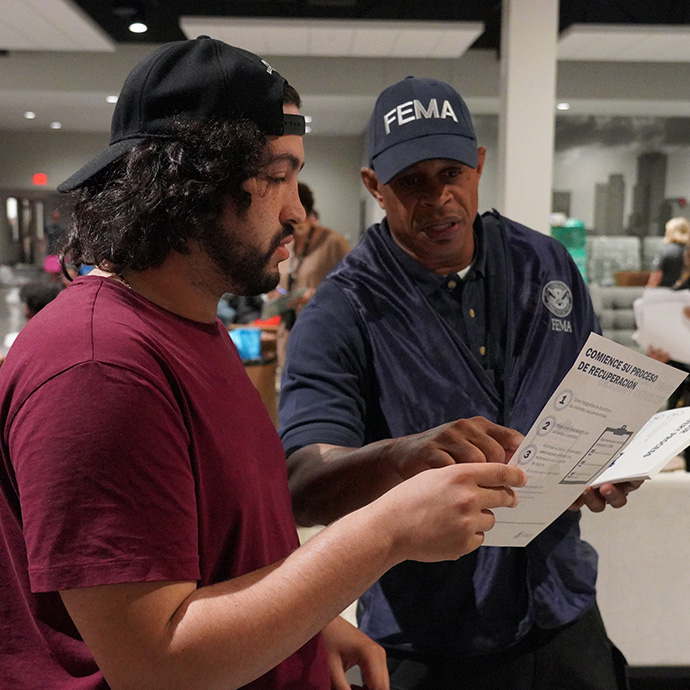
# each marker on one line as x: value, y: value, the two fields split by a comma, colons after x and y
x: 419, y: 119
x: 196, y: 80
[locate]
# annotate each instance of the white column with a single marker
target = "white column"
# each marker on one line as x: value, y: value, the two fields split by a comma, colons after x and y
x: 529, y: 32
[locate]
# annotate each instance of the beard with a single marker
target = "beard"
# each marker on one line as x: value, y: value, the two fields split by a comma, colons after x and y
x: 243, y: 266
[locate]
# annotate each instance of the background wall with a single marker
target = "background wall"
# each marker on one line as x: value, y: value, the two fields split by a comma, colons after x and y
x: 678, y: 183
x: 592, y: 140
x: 58, y: 154
x: 579, y: 168
x: 590, y: 149
x: 586, y: 154
x: 331, y: 169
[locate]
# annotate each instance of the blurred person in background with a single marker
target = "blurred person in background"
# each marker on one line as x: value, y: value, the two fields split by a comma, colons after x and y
x: 315, y: 252
x: 668, y: 263
x: 33, y: 296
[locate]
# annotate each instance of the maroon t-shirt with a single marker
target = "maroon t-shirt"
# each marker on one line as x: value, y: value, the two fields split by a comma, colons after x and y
x: 134, y: 449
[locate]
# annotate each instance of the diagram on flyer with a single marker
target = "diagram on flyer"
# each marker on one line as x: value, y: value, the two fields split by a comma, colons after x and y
x: 602, y: 453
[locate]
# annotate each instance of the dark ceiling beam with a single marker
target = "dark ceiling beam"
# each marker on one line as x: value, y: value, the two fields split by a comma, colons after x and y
x: 163, y: 15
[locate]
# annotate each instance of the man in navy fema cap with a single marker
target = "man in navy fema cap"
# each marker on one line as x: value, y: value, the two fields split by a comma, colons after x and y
x: 443, y: 323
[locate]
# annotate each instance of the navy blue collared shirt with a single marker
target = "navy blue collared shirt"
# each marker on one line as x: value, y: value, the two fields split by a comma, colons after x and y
x: 356, y: 373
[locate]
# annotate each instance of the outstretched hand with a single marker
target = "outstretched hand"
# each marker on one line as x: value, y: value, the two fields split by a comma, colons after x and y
x: 442, y: 514
x: 462, y: 441
x: 329, y: 481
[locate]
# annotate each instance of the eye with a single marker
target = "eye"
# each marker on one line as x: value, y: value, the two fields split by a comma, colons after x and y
x: 454, y: 172
x: 407, y: 182
x: 274, y: 179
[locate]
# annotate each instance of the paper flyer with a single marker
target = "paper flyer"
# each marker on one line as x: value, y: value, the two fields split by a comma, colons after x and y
x: 607, y: 396
x: 662, y: 323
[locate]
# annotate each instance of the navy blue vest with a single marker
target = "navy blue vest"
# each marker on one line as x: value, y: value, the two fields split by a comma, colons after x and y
x: 427, y: 376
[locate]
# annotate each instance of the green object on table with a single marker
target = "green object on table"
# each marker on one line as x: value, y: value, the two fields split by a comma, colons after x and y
x: 572, y: 234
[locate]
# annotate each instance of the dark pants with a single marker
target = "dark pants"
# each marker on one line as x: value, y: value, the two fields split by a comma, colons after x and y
x: 578, y: 656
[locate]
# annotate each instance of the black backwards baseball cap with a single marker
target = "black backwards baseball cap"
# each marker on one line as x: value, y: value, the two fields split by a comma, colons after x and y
x: 196, y: 80
x: 418, y: 119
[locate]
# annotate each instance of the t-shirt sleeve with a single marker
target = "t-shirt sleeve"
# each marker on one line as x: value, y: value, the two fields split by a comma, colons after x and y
x: 664, y: 260
x: 325, y: 389
x: 105, y: 483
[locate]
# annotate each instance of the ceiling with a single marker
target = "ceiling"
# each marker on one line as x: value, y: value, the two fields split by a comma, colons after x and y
x: 163, y: 15
x: 61, y: 58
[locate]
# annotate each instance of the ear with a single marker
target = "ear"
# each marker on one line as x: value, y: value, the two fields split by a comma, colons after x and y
x: 371, y: 182
x: 481, y: 157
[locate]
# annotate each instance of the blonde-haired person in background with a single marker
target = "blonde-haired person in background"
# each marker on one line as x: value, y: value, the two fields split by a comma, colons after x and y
x: 668, y: 263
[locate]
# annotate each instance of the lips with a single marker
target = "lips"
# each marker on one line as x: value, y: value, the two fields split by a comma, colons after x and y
x: 282, y: 252
x: 440, y: 230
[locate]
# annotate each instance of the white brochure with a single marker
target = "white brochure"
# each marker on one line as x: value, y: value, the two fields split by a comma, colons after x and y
x: 607, y: 396
x: 664, y: 436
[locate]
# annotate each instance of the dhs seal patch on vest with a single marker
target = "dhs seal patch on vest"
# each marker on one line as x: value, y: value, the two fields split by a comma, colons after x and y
x: 558, y: 299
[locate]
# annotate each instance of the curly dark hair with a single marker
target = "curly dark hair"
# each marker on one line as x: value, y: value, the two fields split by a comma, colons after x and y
x: 164, y: 192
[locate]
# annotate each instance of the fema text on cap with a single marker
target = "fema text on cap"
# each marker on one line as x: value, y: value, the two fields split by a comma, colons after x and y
x: 414, y: 110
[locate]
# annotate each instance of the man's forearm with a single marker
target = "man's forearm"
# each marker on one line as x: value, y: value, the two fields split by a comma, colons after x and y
x: 171, y: 635
x: 327, y: 482
x: 280, y: 608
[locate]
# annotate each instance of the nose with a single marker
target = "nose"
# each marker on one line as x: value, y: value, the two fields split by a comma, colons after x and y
x: 436, y: 192
x: 293, y: 211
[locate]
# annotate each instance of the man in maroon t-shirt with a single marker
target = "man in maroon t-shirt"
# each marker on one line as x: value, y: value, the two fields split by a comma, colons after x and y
x: 146, y: 536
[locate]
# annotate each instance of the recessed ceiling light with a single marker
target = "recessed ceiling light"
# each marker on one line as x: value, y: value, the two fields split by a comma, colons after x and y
x: 111, y: 99
x: 131, y: 11
x: 56, y: 125
x: 562, y: 106
x: 30, y: 115
x: 307, y: 129
x: 308, y: 118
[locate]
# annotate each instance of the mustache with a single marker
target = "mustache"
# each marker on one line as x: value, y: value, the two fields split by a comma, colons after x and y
x: 283, y: 233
